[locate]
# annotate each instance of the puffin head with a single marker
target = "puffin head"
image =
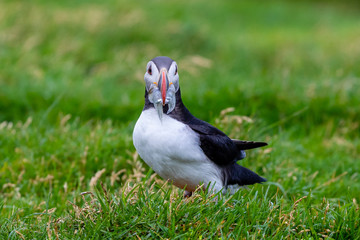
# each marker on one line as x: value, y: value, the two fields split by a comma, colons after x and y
x: 162, y: 82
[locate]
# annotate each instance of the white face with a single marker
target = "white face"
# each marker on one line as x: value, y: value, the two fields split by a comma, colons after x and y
x: 161, y: 85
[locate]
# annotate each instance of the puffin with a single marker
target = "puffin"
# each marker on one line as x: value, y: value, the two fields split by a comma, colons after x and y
x: 181, y: 148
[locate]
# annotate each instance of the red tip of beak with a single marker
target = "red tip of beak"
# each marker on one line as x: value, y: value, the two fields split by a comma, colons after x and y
x: 163, y: 87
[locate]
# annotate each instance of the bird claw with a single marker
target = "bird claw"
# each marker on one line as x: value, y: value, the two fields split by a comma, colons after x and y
x: 187, y: 194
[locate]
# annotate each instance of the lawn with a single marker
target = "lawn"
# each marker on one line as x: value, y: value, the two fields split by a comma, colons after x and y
x: 71, y: 90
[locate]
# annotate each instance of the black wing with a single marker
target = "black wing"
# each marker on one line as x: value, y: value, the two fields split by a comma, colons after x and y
x: 218, y: 147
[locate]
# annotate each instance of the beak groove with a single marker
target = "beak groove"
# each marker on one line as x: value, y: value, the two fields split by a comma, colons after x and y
x: 163, y: 85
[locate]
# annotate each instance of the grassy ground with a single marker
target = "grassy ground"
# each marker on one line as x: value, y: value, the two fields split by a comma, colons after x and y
x: 71, y: 89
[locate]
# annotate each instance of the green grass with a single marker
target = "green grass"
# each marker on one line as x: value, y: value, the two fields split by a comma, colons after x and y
x: 71, y: 89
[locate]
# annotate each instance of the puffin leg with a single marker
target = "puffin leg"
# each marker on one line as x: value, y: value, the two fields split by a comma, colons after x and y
x: 187, y: 194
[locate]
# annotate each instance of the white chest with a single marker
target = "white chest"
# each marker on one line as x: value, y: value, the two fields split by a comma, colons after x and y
x: 172, y: 150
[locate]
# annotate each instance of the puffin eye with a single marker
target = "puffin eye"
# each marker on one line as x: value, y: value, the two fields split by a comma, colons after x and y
x: 149, y: 71
x: 175, y: 70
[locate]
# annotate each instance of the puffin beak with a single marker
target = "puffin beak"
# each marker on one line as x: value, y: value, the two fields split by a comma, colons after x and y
x: 163, y: 84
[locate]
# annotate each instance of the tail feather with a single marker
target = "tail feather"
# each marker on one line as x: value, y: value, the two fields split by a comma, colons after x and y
x: 243, y: 145
x: 236, y: 174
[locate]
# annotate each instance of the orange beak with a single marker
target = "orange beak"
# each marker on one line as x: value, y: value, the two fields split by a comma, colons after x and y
x: 163, y: 85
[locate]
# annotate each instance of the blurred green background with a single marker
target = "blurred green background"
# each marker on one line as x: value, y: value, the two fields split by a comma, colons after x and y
x: 270, y: 58
x: 71, y: 88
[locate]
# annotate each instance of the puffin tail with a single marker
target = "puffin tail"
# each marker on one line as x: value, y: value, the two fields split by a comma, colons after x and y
x: 236, y: 174
x: 245, y: 145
